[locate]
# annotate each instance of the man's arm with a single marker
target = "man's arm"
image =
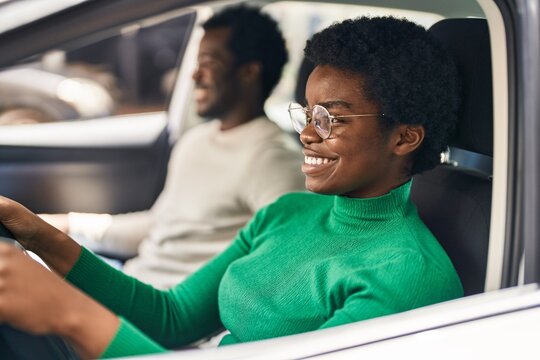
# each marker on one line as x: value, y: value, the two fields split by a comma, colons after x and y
x: 112, y: 234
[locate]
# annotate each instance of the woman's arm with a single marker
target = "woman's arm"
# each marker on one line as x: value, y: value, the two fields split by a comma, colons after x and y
x: 58, y: 250
x: 38, y: 301
x: 41, y: 302
x: 172, y: 318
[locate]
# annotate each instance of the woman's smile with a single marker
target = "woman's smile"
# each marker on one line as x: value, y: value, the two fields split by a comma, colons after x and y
x: 315, y: 163
x: 316, y: 160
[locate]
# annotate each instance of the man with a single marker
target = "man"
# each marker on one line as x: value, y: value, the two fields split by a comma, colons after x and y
x: 220, y: 172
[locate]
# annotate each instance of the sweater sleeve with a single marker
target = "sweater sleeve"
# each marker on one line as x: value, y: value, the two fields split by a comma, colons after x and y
x: 115, y: 234
x: 130, y: 341
x: 161, y: 319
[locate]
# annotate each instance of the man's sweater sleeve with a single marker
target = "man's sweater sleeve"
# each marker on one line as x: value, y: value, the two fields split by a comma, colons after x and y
x: 115, y: 234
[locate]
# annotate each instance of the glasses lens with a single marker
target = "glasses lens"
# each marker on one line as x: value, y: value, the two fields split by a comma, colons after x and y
x: 298, y: 117
x: 321, y: 120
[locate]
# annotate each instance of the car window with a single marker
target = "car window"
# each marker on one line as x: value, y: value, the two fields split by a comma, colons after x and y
x: 129, y: 71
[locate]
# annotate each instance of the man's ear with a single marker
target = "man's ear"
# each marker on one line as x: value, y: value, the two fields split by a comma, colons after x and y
x: 408, y: 139
x: 251, y: 72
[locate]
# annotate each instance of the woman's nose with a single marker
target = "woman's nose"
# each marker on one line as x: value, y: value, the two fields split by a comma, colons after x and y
x: 309, y: 135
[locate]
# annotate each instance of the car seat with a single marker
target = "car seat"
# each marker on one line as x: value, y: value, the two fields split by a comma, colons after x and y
x: 455, y: 200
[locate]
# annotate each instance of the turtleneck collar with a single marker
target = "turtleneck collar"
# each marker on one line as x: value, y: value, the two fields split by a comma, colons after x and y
x: 348, y: 210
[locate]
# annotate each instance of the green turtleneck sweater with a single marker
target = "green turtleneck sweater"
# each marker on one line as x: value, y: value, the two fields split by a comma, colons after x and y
x: 303, y: 263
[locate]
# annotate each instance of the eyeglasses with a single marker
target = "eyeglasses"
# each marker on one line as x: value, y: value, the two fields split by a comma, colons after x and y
x: 322, y: 120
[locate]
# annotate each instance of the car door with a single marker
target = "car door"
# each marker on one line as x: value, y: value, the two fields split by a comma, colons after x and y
x: 113, y: 160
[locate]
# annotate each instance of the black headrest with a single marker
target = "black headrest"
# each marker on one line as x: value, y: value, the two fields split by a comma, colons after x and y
x: 468, y: 41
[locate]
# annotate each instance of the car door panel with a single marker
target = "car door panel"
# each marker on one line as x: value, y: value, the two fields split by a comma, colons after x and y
x: 118, y: 166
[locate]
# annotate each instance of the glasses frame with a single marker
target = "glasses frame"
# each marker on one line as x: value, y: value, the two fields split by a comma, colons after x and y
x: 331, y: 118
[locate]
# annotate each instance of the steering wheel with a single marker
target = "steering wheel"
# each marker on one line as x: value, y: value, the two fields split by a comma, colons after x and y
x: 5, y: 234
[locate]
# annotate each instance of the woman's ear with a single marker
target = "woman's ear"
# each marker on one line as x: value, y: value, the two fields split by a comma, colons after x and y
x: 408, y: 139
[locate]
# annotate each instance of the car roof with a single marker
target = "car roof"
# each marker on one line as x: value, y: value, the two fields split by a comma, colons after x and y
x: 14, y: 14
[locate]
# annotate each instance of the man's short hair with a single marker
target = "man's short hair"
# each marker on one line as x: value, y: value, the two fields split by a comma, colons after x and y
x: 406, y: 71
x: 254, y: 37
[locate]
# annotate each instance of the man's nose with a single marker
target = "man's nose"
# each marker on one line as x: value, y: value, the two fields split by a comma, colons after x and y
x: 196, y: 74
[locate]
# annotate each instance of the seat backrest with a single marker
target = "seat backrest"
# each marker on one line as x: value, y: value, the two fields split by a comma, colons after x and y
x: 453, y: 201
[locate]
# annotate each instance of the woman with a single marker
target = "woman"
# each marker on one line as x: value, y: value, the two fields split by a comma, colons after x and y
x: 380, y: 105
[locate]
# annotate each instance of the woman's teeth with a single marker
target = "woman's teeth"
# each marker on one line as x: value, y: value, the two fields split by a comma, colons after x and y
x: 316, y: 160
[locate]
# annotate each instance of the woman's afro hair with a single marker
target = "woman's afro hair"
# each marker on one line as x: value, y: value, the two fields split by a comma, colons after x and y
x: 404, y: 70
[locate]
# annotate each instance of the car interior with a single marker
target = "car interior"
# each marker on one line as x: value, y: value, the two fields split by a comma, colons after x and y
x: 455, y: 199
